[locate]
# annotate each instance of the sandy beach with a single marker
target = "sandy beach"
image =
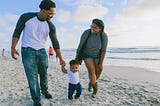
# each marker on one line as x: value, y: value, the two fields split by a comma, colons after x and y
x: 118, y: 86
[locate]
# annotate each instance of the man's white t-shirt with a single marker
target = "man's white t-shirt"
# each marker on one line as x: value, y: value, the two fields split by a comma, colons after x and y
x: 35, y: 34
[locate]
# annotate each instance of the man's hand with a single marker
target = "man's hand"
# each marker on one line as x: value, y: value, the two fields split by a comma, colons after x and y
x: 14, y: 53
x: 62, y: 63
x: 63, y: 69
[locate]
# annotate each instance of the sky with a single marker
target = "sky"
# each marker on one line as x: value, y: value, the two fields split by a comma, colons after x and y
x: 128, y: 23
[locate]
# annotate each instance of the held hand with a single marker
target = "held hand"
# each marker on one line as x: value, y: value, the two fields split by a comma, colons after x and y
x: 62, y: 63
x: 63, y: 69
x: 14, y: 53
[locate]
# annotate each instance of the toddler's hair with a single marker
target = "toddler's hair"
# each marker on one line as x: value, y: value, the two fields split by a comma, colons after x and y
x: 73, y: 62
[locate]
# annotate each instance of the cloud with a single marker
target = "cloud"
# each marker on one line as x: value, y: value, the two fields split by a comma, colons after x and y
x: 84, y: 10
x: 87, y: 2
x: 79, y: 2
x: 69, y: 38
x: 137, y: 25
x: 124, y: 2
x: 7, y: 22
x: 78, y: 19
x: 12, y: 18
x: 7, y: 25
x: 139, y: 9
x: 1, y: 34
x: 69, y: 42
x: 63, y: 16
x: 86, y: 13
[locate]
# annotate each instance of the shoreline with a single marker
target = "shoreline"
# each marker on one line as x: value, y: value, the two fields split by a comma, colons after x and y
x: 136, y: 74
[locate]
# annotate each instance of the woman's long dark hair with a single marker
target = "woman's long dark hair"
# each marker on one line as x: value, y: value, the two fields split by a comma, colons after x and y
x: 99, y: 23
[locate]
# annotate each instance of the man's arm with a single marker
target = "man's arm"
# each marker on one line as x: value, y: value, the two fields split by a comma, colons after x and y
x: 58, y: 52
x: 55, y: 42
x: 17, y: 32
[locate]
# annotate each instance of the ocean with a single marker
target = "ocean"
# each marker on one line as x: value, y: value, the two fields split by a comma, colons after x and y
x: 148, y: 58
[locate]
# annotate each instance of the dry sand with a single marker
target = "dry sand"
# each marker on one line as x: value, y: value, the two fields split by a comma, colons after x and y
x: 118, y: 86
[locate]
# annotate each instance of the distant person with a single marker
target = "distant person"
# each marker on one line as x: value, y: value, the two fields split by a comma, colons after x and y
x: 51, y: 53
x: 4, y: 54
x: 74, y: 84
x: 92, y: 47
x: 36, y: 28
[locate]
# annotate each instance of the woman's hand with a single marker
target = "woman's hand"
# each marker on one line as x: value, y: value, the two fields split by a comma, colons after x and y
x: 100, y: 66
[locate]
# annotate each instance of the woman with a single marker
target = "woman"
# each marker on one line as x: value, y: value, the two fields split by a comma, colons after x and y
x: 92, y: 47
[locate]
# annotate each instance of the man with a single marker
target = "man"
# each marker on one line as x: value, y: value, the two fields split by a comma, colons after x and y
x: 36, y: 27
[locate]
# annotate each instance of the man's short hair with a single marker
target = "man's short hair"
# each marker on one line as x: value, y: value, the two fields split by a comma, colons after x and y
x: 47, y: 4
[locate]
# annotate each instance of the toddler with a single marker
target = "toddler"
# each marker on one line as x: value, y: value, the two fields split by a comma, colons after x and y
x: 74, y: 84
